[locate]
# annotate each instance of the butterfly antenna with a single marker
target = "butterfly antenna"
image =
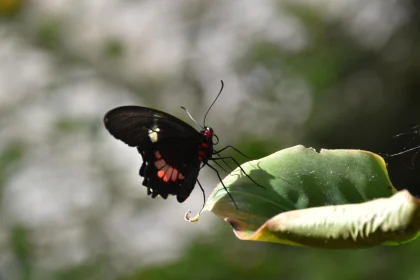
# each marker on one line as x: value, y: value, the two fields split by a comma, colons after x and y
x: 188, y: 112
x: 205, y: 116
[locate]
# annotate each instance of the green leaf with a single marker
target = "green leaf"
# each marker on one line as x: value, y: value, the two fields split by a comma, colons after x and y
x: 386, y: 221
x: 330, y: 188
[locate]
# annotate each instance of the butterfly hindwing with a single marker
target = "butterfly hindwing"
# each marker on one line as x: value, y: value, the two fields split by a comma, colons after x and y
x: 187, y: 186
x: 171, y: 166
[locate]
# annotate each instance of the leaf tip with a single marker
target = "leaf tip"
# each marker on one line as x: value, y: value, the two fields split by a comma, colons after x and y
x: 193, y: 219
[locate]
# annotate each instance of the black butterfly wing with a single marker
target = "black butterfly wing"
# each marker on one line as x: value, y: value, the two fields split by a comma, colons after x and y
x: 178, y: 158
x: 164, y: 142
x: 136, y: 126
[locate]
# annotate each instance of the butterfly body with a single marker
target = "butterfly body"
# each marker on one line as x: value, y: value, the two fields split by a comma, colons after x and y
x: 173, y: 152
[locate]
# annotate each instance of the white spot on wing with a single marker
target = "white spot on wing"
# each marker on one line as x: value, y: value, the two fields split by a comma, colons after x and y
x: 153, y: 134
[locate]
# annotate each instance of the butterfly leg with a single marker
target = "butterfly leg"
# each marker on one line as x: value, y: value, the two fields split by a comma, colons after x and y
x: 204, y: 201
x: 233, y: 148
x: 218, y: 164
x: 237, y: 163
x: 204, y: 195
x: 221, y: 181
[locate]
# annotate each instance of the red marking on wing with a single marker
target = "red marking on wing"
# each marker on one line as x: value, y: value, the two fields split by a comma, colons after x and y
x: 166, y: 172
x: 174, y: 175
x: 161, y: 173
x: 160, y: 163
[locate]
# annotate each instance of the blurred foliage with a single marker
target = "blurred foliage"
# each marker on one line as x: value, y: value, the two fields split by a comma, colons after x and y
x: 228, y: 258
x: 49, y: 34
x: 22, y: 250
x: 113, y: 49
x: 10, y: 158
x: 361, y: 97
x: 10, y: 8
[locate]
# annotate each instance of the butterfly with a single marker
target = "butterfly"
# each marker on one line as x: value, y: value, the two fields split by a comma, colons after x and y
x: 173, y: 152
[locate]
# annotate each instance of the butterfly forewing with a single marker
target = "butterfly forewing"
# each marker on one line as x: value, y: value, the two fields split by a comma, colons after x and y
x: 137, y: 126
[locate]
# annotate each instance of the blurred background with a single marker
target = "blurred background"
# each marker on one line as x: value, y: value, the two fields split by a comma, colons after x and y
x: 324, y: 74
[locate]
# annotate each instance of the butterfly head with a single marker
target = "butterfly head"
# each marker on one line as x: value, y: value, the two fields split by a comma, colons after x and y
x: 209, y: 134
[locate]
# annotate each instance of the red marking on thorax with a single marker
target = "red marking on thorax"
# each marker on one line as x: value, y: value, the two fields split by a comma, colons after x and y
x: 204, y: 146
x: 207, y: 134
